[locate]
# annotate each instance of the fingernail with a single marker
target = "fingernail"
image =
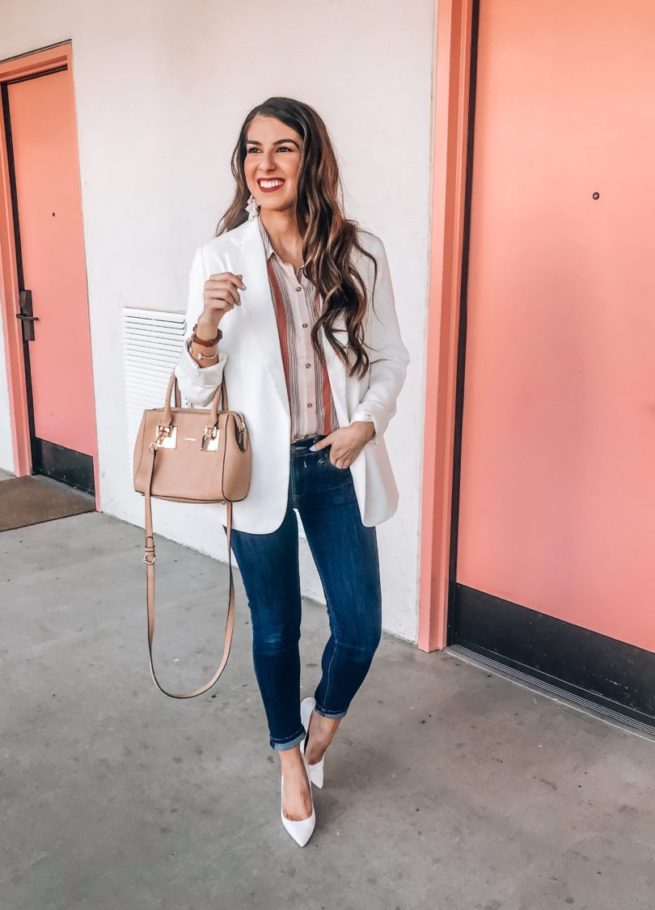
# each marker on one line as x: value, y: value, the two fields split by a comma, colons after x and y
x: 312, y: 448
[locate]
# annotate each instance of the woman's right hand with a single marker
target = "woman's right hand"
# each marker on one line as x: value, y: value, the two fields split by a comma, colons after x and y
x: 220, y: 295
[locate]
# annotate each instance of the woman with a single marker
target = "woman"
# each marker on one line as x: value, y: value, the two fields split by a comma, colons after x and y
x: 293, y: 306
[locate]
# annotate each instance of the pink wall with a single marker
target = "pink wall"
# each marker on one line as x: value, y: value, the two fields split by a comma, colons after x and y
x: 557, y: 506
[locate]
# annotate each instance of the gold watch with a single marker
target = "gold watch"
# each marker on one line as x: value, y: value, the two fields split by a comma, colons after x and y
x: 200, y: 356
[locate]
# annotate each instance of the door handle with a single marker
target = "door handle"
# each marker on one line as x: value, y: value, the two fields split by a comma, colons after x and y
x: 26, y: 315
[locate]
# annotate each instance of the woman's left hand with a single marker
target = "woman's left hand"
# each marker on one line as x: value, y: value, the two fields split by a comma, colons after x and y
x: 347, y: 442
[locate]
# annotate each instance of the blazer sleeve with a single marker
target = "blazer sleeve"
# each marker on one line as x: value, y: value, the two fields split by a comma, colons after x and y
x: 197, y: 384
x: 388, y: 355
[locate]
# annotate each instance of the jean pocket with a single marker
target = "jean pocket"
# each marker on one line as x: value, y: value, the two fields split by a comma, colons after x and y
x: 334, y: 467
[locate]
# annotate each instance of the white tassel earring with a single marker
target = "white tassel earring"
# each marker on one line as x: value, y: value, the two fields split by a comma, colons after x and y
x: 252, y: 208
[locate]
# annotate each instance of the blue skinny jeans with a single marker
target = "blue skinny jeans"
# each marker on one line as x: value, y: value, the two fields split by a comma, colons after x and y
x: 346, y: 556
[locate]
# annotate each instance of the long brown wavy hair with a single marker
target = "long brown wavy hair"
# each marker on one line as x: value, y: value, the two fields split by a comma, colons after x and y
x: 328, y: 236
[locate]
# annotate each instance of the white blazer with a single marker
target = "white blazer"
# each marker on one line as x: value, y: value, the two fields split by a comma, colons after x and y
x: 250, y: 359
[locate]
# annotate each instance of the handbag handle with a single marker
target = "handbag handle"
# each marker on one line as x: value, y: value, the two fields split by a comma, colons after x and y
x: 218, y: 403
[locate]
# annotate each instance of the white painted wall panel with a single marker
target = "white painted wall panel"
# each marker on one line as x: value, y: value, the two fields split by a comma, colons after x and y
x: 161, y: 90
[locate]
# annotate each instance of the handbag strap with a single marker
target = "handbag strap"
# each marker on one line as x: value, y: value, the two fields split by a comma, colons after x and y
x: 149, y: 559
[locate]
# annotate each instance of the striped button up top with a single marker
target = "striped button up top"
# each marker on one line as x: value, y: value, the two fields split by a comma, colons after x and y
x: 297, y: 307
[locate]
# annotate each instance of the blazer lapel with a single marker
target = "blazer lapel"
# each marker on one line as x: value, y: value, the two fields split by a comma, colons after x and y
x: 259, y: 312
x: 257, y: 303
x: 337, y: 373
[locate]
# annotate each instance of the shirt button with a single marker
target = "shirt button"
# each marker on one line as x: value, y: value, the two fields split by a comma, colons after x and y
x: 308, y: 365
x: 310, y: 405
x: 299, y: 289
x: 304, y: 325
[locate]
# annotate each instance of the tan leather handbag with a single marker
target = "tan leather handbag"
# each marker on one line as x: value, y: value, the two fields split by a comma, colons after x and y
x: 191, y: 455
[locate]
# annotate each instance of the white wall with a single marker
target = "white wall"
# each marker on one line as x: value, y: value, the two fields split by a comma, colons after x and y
x: 162, y: 89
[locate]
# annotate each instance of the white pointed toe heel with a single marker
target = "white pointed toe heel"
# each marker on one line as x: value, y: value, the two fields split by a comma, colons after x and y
x: 302, y: 829
x: 315, y: 771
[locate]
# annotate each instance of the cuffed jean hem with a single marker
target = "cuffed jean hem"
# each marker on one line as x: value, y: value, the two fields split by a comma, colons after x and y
x: 289, y: 744
x: 335, y: 715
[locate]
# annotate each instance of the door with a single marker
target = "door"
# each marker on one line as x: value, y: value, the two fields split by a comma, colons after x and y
x: 41, y: 139
x: 555, y: 572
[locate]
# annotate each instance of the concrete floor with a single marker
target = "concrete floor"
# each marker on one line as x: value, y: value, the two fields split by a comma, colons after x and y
x: 447, y: 787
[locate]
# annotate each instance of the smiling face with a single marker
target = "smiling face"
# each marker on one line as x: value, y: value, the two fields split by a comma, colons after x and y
x: 272, y: 163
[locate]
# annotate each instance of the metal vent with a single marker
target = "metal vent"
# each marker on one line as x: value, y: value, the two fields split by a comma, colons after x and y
x: 152, y: 340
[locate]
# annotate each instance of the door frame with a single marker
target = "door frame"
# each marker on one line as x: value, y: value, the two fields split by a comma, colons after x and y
x: 29, y: 64
x: 451, y: 91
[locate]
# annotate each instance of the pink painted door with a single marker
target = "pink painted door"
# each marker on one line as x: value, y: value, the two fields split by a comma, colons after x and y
x: 52, y: 276
x: 556, y: 539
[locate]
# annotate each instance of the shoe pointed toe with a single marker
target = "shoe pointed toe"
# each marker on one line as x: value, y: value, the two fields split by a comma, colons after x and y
x: 302, y: 829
